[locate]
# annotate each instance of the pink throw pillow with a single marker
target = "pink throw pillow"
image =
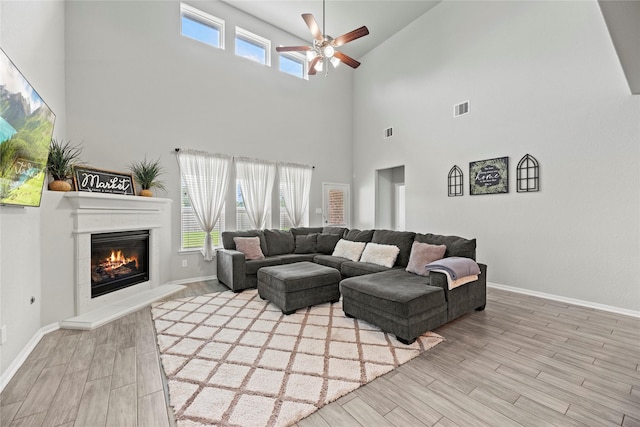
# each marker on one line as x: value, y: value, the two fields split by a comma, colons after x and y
x: 423, y: 254
x: 249, y: 246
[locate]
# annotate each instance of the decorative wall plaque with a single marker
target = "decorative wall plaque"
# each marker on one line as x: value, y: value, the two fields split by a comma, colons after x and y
x: 489, y: 176
x: 102, y: 181
x: 528, y: 174
x: 455, y: 182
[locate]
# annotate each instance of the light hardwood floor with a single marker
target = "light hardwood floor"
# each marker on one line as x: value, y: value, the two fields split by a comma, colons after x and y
x: 523, y: 361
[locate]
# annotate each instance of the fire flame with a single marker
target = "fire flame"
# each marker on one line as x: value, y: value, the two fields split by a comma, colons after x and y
x: 117, y: 259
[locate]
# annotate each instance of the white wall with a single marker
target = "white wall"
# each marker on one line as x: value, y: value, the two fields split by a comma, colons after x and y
x: 32, y: 35
x: 136, y: 87
x: 542, y: 78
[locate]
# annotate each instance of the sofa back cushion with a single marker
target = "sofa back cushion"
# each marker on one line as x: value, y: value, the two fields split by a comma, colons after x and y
x: 456, y: 246
x: 359, y: 235
x: 299, y: 231
x: 305, y: 243
x: 279, y: 242
x: 402, y: 239
x: 340, y: 231
x: 326, y: 243
x: 228, y: 243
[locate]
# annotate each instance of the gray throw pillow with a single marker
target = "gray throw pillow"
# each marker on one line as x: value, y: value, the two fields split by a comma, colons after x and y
x: 306, y: 244
x: 326, y: 243
x: 456, y: 246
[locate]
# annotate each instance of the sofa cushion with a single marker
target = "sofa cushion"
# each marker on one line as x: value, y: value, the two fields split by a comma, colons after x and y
x: 456, y: 246
x: 384, y: 255
x: 340, y: 231
x: 329, y: 261
x: 359, y: 235
x: 255, y: 265
x: 348, y: 249
x: 352, y: 269
x: 291, y: 258
x: 421, y: 255
x: 299, y: 231
x: 326, y: 243
x: 228, y: 243
x: 279, y: 242
x: 396, y: 292
x: 249, y: 246
x: 305, y: 244
x: 402, y: 239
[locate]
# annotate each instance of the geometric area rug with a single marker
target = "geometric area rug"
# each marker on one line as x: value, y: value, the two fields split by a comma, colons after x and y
x: 232, y: 359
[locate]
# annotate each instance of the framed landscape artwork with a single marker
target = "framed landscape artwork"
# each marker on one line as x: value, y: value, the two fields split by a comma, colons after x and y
x: 489, y: 176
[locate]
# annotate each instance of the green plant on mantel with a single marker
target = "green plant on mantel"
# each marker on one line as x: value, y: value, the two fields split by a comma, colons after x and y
x: 62, y: 157
x: 146, y: 174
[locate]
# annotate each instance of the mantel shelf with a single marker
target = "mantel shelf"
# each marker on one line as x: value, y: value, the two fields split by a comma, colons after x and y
x: 84, y: 200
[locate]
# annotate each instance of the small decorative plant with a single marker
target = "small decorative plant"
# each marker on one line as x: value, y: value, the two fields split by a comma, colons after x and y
x: 62, y: 157
x: 146, y: 175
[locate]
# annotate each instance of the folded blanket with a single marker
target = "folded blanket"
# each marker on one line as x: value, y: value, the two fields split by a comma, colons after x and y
x: 456, y: 267
x: 452, y: 284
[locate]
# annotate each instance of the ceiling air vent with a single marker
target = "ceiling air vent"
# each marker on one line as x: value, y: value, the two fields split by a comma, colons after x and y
x: 388, y: 132
x: 461, y: 109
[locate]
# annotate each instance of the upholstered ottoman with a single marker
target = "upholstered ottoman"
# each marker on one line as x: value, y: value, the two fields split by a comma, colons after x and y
x: 298, y: 285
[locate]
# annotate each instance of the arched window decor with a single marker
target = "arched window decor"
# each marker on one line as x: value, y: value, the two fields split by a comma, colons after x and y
x: 528, y: 174
x: 454, y: 182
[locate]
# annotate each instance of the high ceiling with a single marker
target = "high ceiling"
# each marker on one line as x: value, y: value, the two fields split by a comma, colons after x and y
x: 383, y: 18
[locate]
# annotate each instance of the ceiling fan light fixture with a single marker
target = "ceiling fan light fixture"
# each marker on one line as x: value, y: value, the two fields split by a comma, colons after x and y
x: 318, y: 66
x: 328, y: 51
x: 311, y: 54
x: 335, y: 62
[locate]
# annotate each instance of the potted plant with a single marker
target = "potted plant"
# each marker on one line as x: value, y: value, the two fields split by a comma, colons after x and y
x: 146, y: 175
x: 62, y: 157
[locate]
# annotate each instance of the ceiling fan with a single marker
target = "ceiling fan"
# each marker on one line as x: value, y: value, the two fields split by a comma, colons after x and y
x: 324, y: 46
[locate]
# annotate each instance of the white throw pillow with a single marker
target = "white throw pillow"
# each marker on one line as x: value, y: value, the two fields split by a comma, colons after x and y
x: 348, y: 249
x: 384, y: 255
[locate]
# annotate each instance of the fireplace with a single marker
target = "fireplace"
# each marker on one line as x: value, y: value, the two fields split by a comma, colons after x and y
x: 118, y: 260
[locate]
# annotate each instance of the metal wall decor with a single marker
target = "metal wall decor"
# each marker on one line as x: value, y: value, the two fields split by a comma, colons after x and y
x: 489, y: 176
x: 454, y: 181
x: 528, y: 174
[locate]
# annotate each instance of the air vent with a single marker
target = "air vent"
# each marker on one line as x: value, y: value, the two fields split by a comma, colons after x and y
x: 388, y: 133
x: 460, y: 109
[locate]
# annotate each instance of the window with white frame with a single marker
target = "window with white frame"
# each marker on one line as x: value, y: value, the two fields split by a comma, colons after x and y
x: 201, y: 26
x: 253, y: 46
x: 285, y: 222
x: 242, y: 218
x: 294, y: 64
x: 192, y: 236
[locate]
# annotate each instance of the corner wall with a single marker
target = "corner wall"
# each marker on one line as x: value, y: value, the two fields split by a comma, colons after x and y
x: 32, y: 35
x: 542, y: 78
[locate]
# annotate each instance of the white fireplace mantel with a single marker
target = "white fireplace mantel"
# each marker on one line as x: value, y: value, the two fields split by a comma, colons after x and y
x: 104, y: 213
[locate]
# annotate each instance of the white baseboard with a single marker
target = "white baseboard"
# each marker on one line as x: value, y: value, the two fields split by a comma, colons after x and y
x: 191, y: 280
x: 26, y: 351
x: 582, y: 303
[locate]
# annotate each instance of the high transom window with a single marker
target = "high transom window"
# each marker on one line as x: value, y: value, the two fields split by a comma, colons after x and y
x: 201, y: 26
x: 253, y: 46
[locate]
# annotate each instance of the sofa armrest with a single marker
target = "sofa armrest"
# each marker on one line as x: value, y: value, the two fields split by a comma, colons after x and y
x: 231, y: 268
x: 465, y: 298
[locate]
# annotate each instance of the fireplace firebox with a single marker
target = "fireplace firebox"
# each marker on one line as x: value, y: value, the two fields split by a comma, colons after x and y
x: 118, y: 260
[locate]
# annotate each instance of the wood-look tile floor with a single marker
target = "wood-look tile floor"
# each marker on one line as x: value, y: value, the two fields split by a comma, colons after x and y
x: 523, y: 361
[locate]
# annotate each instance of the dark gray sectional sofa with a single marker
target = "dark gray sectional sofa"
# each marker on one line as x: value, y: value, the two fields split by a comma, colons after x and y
x: 399, y: 302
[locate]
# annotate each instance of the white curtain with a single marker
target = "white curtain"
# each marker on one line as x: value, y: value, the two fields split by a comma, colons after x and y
x: 206, y: 177
x: 256, y: 179
x: 296, y: 185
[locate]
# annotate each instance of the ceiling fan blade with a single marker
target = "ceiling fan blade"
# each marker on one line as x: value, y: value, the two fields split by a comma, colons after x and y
x: 347, y: 59
x: 293, y: 48
x: 313, y: 26
x: 346, y: 38
x: 312, y: 66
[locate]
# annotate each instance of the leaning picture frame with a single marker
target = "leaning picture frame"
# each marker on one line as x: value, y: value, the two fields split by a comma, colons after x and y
x: 94, y: 180
x: 489, y: 176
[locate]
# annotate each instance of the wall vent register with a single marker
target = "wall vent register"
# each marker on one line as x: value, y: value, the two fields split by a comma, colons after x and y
x: 461, y: 109
x: 388, y: 132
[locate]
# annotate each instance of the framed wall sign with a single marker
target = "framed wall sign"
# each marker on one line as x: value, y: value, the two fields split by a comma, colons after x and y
x: 489, y: 176
x: 102, y: 181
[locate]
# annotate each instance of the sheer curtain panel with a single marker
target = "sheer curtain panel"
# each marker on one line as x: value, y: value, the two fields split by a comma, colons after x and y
x: 206, y: 177
x: 296, y: 185
x: 256, y: 179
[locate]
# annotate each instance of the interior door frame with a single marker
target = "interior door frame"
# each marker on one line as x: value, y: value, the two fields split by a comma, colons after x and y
x: 346, y: 203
